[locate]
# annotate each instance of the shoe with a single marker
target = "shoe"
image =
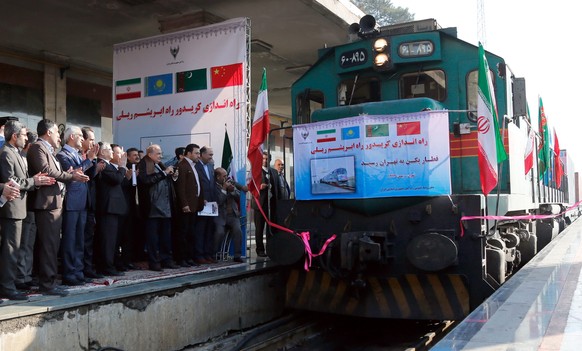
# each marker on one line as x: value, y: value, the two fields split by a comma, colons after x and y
x: 22, y: 286
x: 121, y: 268
x: 87, y: 280
x: 54, y: 292
x: 201, y: 261
x: 155, y: 267
x: 93, y: 274
x: 15, y: 296
x: 191, y: 263
x: 238, y: 259
x: 261, y: 254
x: 184, y: 264
x: 210, y: 260
x: 73, y: 282
x: 130, y: 267
x: 170, y: 265
x: 113, y: 273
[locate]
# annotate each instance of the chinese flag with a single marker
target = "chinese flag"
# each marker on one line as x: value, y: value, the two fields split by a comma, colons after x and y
x: 407, y: 128
x: 227, y: 76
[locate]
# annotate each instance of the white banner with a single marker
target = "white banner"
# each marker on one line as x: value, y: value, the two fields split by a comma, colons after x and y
x: 183, y: 88
x: 373, y: 156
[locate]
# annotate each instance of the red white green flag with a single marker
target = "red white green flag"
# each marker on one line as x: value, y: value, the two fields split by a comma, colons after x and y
x: 259, y: 133
x: 491, y: 150
x: 557, y: 163
x: 529, y: 150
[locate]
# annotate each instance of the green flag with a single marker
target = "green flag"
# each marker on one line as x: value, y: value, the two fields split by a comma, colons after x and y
x: 544, y: 151
x: 227, y: 155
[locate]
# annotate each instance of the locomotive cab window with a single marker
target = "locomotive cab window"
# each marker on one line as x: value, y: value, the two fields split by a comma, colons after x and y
x: 472, y: 85
x: 367, y: 89
x: 307, y: 102
x: 431, y: 84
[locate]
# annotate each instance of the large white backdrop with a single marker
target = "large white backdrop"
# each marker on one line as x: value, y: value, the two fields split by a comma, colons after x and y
x: 182, y: 88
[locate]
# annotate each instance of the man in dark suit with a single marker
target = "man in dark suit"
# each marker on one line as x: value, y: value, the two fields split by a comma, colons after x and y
x: 75, y: 209
x: 228, y: 195
x: 13, y: 168
x: 268, y: 191
x: 89, y: 152
x: 48, y: 202
x: 129, y: 228
x: 110, y: 207
x: 190, y: 200
x: 283, y: 186
x: 204, y: 247
x: 155, y: 203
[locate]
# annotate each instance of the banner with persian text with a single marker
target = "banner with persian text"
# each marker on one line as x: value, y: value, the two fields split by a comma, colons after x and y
x: 184, y: 87
x: 373, y: 156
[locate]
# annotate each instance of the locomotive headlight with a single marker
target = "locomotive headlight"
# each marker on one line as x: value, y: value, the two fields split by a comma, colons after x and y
x: 431, y: 252
x: 381, y: 59
x: 380, y: 45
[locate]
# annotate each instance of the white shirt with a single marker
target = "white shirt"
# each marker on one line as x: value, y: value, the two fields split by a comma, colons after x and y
x: 192, y: 164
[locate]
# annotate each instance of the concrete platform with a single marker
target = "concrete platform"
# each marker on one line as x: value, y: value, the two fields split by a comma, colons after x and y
x: 155, y: 312
x: 540, y: 308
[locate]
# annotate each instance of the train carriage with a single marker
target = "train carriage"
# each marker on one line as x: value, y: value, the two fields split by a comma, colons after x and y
x: 406, y: 254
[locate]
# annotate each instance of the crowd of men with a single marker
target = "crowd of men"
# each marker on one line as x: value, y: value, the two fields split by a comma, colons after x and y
x: 101, y: 210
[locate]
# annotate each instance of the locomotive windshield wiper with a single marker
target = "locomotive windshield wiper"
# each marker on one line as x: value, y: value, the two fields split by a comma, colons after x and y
x: 353, y: 89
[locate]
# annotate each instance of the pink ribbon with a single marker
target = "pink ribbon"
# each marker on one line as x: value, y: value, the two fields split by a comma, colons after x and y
x: 304, y: 237
x: 520, y: 217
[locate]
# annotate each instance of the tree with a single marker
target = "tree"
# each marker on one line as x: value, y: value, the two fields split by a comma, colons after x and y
x: 384, y: 12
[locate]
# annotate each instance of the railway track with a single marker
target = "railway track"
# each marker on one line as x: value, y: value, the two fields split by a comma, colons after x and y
x: 315, y: 332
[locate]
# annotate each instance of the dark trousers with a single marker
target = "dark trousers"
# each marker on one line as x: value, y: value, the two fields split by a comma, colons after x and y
x: 204, y: 240
x: 231, y: 225
x: 186, y: 237
x: 108, y: 227
x: 11, y: 232
x: 26, y: 253
x: 73, y: 244
x: 49, y: 223
x: 89, y: 246
x: 159, y: 240
x: 126, y: 239
x: 259, y: 230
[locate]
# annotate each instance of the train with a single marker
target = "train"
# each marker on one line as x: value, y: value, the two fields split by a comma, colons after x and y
x: 399, y: 105
x: 338, y: 176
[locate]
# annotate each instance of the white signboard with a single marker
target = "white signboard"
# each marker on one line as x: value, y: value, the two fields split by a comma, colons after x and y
x: 373, y: 156
x: 184, y: 87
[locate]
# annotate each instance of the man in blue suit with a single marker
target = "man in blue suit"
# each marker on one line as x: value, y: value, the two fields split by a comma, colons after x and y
x: 204, y: 246
x: 75, y: 209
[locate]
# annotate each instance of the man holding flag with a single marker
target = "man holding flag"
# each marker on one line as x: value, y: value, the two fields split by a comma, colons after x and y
x: 258, y: 187
x: 491, y: 150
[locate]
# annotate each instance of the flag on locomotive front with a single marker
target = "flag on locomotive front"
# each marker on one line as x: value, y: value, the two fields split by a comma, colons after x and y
x: 491, y: 150
x: 544, y: 152
x: 259, y: 133
x: 559, y: 170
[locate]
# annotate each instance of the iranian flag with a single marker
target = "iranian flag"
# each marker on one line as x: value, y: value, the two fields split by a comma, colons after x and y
x: 491, y: 150
x: 557, y: 163
x: 259, y: 133
x: 128, y: 89
x: 529, y: 150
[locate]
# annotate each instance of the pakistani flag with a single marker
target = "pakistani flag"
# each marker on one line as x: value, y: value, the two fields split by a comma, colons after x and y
x: 227, y: 156
x: 491, y: 150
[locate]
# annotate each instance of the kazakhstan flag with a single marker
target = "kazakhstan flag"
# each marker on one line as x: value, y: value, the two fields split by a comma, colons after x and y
x: 351, y: 133
x: 159, y: 85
